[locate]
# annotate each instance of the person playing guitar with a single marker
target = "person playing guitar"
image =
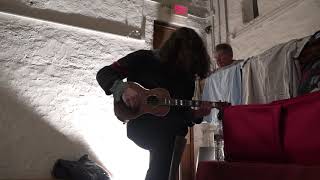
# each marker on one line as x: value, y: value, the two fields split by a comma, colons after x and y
x: 173, y: 68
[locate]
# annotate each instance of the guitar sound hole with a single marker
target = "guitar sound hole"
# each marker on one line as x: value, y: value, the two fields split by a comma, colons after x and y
x: 152, y: 100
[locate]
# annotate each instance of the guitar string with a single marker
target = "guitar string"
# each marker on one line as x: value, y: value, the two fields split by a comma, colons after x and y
x: 165, y: 101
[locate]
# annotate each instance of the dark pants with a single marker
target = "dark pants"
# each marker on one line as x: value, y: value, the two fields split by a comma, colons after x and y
x: 160, y: 161
x: 156, y: 137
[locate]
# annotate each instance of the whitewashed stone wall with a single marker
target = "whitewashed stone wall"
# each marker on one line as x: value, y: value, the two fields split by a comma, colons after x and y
x: 267, y: 6
x: 50, y: 104
x: 279, y: 21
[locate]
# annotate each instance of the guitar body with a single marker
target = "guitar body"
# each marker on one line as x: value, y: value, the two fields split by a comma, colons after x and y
x: 149, y: 102
x: 155, y: 101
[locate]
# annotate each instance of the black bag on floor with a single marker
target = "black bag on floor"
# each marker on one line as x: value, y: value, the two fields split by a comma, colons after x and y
x: 83, y: 169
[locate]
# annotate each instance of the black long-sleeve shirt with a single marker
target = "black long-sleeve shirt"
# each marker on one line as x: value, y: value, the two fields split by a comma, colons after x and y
x: 145, y: 68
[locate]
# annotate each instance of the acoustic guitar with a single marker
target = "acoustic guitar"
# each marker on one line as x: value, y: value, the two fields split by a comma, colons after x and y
x: 155, y: 101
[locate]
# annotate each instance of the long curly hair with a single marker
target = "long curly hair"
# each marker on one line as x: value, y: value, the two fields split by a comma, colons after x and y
x: 185, y: 49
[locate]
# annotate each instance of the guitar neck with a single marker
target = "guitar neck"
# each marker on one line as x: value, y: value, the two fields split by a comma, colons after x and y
x: 187, y: 103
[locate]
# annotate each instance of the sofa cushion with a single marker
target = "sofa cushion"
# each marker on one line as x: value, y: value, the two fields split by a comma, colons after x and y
x: 251, y: 133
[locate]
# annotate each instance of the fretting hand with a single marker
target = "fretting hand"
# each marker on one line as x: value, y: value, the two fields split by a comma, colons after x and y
x: 204, y: 110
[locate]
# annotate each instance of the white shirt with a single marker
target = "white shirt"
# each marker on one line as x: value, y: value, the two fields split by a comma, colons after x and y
x: 223, y: 85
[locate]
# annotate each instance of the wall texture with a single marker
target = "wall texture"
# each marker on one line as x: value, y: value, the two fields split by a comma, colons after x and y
x: 279, y: 21
x: 50, y: 104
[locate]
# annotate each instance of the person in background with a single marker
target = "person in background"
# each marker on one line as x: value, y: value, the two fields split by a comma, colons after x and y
x: 224, y: 84
x: 223, y: 54
x: 173, y: 67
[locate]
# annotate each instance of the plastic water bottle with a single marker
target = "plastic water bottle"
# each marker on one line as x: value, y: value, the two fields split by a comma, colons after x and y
x: 219, y: 143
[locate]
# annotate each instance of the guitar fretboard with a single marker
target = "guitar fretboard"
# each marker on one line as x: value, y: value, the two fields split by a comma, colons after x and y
x: 181, y: 102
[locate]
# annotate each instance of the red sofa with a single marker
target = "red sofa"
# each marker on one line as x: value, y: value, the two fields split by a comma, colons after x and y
x: 279, y: 140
